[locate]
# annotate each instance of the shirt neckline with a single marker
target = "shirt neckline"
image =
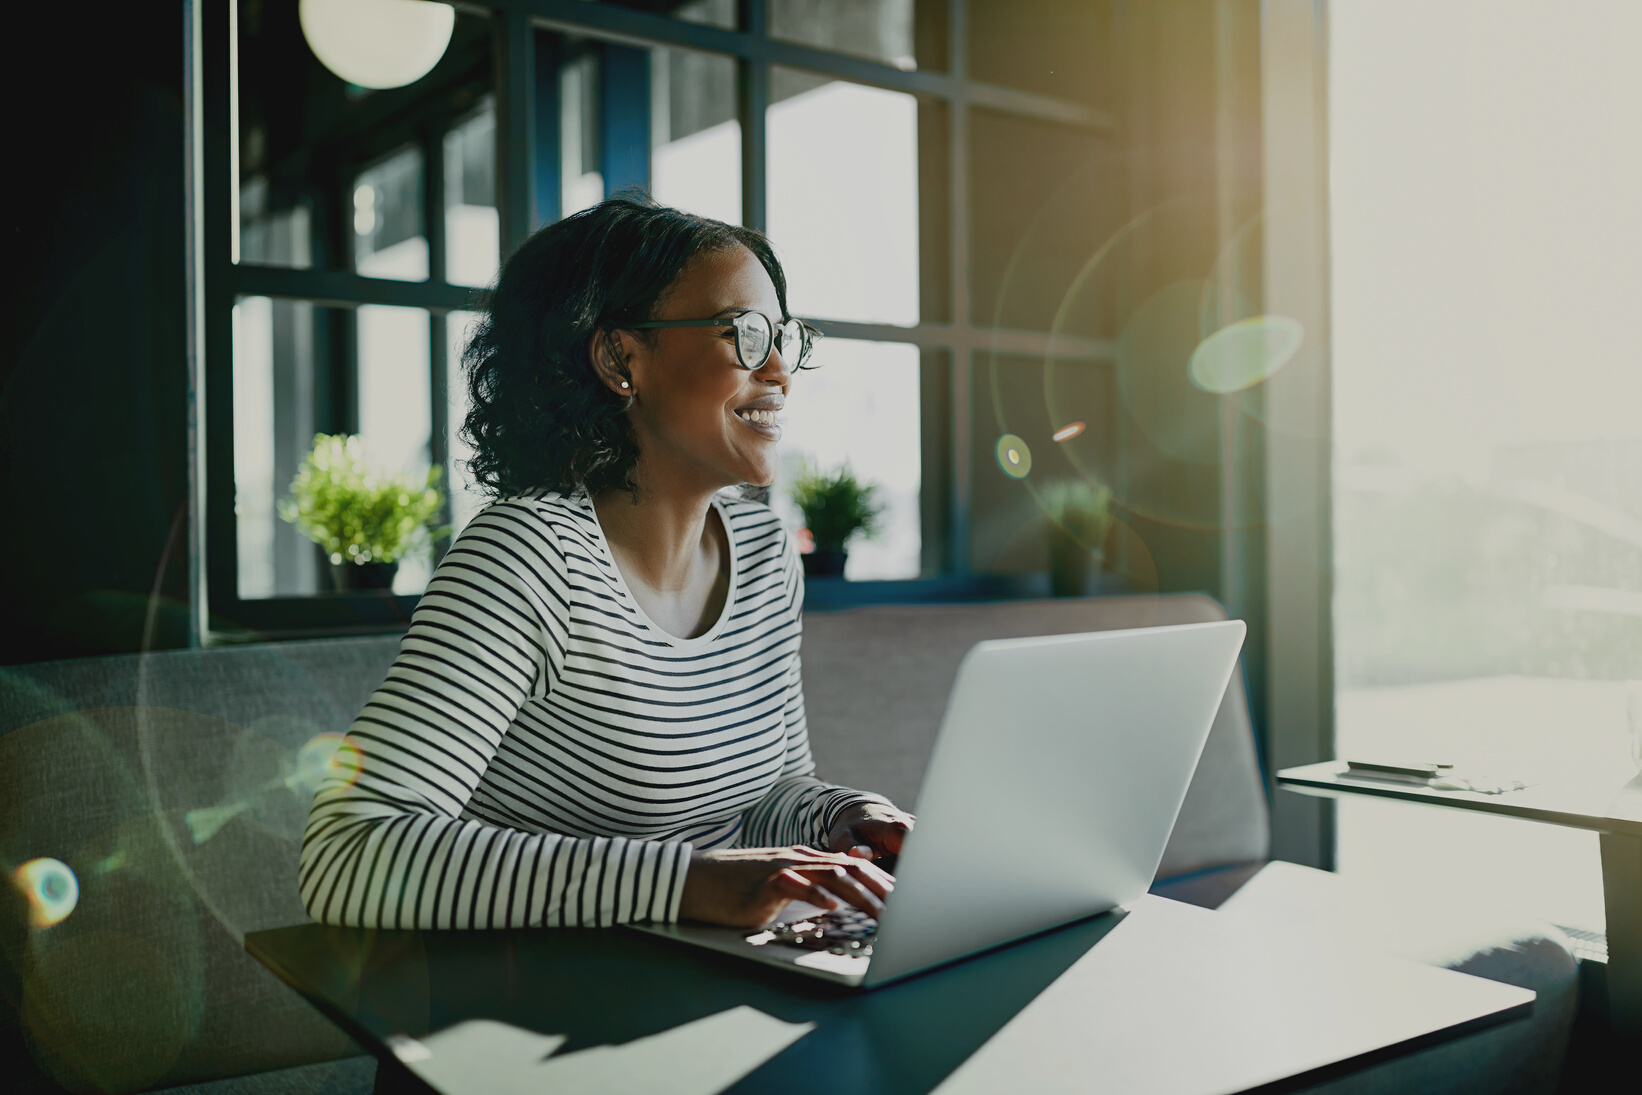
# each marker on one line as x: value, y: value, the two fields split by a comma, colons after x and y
x: 706, y: 637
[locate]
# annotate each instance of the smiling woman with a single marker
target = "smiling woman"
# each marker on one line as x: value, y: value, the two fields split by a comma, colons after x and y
x: 598, y: 714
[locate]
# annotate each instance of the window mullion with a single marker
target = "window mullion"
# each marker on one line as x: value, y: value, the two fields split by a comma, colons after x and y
x: 516, y: 129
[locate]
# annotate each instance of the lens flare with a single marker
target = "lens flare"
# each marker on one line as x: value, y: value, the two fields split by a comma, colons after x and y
x: 1242, y: 354
x: 1014, y: 457
x: 327, y: 756
x: 51, y: 889
x: 1067, y: 432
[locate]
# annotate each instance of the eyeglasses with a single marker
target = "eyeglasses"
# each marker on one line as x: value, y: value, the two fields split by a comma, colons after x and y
x: 756, y: 336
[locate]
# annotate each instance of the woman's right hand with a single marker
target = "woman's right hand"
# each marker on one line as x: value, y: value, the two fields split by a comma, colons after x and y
x: 747, y: 887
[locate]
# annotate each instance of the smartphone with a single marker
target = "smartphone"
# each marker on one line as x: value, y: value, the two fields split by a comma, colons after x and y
x: 1400, y: 771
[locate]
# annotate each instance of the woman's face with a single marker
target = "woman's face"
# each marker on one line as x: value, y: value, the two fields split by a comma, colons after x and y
x: 696, y: 412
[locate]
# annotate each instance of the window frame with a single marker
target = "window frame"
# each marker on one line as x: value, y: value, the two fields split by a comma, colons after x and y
x: 528, y: 186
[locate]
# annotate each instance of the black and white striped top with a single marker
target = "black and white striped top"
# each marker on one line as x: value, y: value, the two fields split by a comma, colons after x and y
x: 542, y: 754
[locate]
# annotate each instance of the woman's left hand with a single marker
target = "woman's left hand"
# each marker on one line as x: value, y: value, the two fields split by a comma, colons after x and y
x: 870, y: 830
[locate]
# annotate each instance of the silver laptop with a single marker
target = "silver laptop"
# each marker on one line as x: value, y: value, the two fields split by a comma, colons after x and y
x: 1056, y: 779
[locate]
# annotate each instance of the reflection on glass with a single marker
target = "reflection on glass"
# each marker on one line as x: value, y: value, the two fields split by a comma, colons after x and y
x: 274, y: 371
x: 581, y: 183
x: 389, y: 241
x: 843, y: 197
x: 395, y: 416
x: 472, y: 228
x: 880, y: 30
x: 695, y: 138
x: 1487, y: 491
x: 861, y: 407
x: 465, y: 498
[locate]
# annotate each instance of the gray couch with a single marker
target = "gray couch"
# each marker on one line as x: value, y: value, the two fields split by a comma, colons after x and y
x: 172, y: 784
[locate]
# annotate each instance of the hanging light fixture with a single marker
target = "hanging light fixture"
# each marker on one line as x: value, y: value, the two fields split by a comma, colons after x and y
x: 377, y: 43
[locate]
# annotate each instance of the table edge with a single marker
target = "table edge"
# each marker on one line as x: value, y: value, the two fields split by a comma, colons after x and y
x: 1299, y: 780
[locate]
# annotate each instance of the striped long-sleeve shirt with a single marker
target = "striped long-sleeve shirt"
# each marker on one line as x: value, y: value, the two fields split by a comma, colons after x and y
x: 542, y: 754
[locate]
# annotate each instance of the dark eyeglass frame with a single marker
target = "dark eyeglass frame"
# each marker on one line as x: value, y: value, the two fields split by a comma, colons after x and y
x: 807, y: 336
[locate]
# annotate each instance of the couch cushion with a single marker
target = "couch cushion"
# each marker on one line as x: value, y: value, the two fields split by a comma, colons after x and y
x: 352, y: 1076
x: 1440, y: 929
x: 170, y: 784
x: 876, y: 682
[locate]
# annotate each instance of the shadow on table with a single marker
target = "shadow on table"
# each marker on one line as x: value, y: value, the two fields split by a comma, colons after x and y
x: 610, y: 987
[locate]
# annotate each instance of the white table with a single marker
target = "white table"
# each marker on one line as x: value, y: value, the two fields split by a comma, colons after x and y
x: 1610, y: 807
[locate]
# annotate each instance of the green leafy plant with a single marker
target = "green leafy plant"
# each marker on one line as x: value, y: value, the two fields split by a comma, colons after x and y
x: 357, y: 513
x: 835, y: 506
x: 1080, y: 509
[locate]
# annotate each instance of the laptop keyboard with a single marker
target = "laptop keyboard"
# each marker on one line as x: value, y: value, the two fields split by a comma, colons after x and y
x: 842, y: 931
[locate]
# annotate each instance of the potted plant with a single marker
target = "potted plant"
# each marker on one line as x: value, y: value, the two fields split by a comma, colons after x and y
x: 365, y: 519
x: 1080, y: 515
x: 836, y: 507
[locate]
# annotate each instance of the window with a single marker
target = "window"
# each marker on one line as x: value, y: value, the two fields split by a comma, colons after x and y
x: 350, y: 234
x: 1488, y: 437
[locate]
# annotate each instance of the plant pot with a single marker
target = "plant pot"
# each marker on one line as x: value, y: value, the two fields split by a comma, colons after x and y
x: 356, y: 577
x: 1071, y: 565
x: 825, y: 563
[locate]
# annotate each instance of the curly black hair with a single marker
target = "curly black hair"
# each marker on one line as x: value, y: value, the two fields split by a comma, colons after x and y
x: 540, y: 417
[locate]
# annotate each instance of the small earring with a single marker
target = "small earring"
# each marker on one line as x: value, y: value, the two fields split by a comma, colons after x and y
x: 624, y: 384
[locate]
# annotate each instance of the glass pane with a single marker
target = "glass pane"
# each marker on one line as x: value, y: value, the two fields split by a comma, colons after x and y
x: 288, y: 357
x: 880, y: 30
x: 472, y: 227
x: 843, y: 198
x: 662, y: 119
x: 465, y: 498
x: 273, y: 237
x: 581, y: 181
x: 695, y: 136
x: 275, y: 366
x: 395, y: 416
x: 1488, y: 469
x: 860, y: 408
x: 389, y: 240
x: 304, y: 137
x: 1050, y: 47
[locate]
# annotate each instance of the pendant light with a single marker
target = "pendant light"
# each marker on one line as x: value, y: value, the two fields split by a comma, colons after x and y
x: 377, y: 43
